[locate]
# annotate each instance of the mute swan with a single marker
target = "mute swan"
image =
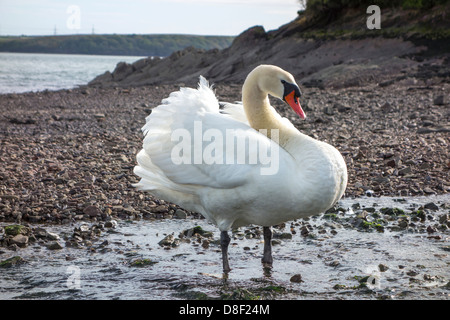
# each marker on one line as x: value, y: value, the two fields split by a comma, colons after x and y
x: 212, y: 161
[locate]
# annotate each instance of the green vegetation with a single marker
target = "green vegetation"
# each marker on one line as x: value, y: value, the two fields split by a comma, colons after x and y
x: 16, y: 260
x: 342, y: 19
x: 327, y: 6
x: 14, y: 229
x: 377, y: 225
x: 131, y: 45
x: 139, y: 263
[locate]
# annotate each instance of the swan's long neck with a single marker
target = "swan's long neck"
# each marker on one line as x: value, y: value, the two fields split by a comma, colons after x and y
x: 261, y: 115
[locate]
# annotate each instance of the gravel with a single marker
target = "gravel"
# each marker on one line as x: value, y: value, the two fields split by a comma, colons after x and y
x: 69, y: 155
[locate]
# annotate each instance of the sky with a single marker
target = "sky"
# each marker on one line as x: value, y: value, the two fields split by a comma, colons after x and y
x: 203, y: 17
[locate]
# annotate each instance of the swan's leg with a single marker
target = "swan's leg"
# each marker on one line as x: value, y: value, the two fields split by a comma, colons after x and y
x: 224, y: 242
x: 267, y: 257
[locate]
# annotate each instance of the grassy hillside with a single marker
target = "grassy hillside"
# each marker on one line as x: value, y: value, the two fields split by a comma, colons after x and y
x: 133, y: 45
x: 346, y: 19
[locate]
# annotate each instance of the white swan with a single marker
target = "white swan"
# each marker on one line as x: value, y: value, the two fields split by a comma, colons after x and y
x: 242, y: 165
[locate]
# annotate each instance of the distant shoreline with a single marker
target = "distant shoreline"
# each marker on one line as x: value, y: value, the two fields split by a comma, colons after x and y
x: 112, y: 44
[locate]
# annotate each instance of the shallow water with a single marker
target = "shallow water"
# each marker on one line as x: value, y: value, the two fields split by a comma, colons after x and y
x: 330, y: 263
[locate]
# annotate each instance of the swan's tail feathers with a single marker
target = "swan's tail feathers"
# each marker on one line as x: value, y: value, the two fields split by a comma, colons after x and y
x: 158, y: 184
x: 152, y: 178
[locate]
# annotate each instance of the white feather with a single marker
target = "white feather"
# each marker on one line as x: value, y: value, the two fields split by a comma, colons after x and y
x: 227, y: 190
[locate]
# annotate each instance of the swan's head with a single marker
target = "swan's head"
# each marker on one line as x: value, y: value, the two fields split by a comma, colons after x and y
x: 280, y: 84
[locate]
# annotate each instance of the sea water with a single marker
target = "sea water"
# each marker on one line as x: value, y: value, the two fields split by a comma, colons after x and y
x: 24, y: 72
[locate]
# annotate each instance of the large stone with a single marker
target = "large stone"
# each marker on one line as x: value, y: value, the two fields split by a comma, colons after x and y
x: 20, y: 240
x: 439, y: 100
x: 54, y: 245
x: 12, y: 262
x: 16, y: 229
x: 169, y: 241
x: 92, y: 211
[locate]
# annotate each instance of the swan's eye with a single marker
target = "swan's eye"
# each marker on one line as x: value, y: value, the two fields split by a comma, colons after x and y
x: 283, y: 81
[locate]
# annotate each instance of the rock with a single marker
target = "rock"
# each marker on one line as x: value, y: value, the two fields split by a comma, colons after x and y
x: 296, y: 278
x: 180, y: 214
x: 404, y: 171
x: 13, y: 247
x: 386, y: 83
x: 54, y: 245
x: 439, y: 100
x: 369, y: 192
x: 362, y: 215
x: 169, y: 241
x: 52, y: 236
x: 342, y: 108
x: 275, y: 242
x: 99, y: 116
x: 160, y: 209
x: 334, y: 264
x: 19, y: 240
x: 284, y: 235
x: 428, y: 190
x: 304, y: 231
x: 111, y: 224
x: 92, y: 211
x: 197, y: 230
x: 22, y: 121
x: 431, y: 229
x: 431, y: 206
x: 391, y: 163
x: 15, y: 229
x: 205, y: 244
x: 140, y: 263
x: 122, y: 70
x: 428, y: 277
x: 14, y: 261
x: 403, y: 224
x: 433, y: 129
x: 443, y: 219
x: 328, y: 111
x: 44, y: 234
x: 382, y: 267
x: 387, y: 107
x: 412, y: 273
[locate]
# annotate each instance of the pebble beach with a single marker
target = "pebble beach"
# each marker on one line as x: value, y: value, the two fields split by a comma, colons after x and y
x: 70, y: 154
x: 68, y: 157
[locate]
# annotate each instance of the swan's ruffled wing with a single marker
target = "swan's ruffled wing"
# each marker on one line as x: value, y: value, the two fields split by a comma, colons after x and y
x: 214, y: 149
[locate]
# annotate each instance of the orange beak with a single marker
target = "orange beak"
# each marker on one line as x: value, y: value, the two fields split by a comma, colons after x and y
x: 292, y: 100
